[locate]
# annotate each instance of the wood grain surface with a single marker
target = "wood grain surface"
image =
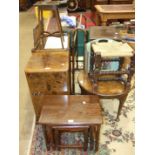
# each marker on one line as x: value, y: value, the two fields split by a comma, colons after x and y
x: 70, y: 110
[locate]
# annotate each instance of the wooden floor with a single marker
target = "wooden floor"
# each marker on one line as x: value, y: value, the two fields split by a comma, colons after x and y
x: 27, y: 117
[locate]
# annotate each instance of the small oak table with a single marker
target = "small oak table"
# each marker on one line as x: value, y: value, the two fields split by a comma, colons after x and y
x: 107, y: 12
x: 71, y: 113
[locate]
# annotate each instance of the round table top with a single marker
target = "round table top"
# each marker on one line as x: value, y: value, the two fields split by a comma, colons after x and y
x: 104, y: 88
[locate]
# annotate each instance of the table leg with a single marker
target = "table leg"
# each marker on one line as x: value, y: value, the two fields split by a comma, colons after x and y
x: 97, y: 137
x: 59, y: 27
x: 47, y: 135
x: 104, y: 19
x: 85, y: 140
x: 97, y: 18
x: 104, y: 22
x: 91, y: 132
x: 56, y: 138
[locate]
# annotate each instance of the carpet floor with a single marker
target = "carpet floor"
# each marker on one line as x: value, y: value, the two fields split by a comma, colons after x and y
x: 116, y: 137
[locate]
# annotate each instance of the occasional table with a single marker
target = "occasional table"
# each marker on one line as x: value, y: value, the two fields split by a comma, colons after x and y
x: 107, y: 89
x: 71, y: 113
x: 106, y: 12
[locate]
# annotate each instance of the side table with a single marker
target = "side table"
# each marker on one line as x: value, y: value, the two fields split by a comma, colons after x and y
x: 106, y: 12
x: 71, y: 113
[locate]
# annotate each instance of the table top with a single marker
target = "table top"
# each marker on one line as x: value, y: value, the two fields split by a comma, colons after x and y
x: 129, y: 8
x: 70, y: 110
x: 54, y: 61
x: 97, y: 32
x: 106, y: 88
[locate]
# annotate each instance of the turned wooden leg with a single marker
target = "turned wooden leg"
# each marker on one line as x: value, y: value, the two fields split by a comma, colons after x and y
x: 121, y: 103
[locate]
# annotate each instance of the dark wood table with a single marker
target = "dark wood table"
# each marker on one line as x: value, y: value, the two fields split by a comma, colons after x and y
x: 107, y: 12
x: 81, y: 113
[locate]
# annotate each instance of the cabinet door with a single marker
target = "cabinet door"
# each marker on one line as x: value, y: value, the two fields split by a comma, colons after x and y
x: 36, y: 82
x: 57, y: 83
x: 41, y: 84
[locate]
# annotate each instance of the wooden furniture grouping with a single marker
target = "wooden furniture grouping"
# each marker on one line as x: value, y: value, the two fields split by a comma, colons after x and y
x: 71, y: 113
x: 108, y: 12
x: 50, y: 76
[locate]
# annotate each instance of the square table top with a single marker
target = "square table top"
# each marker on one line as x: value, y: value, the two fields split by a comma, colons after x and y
x: 70, y: 110
x: 48, y: 61
x: 123, y: 8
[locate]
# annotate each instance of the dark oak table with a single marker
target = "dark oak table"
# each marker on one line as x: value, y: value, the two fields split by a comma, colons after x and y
x: 71, y: 113
x: 107, y: 12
